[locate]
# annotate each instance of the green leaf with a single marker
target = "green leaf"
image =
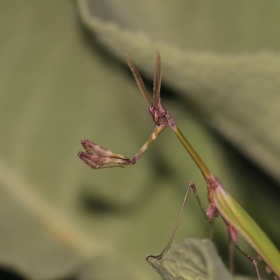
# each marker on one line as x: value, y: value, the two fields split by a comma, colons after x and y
x: 191, y: 259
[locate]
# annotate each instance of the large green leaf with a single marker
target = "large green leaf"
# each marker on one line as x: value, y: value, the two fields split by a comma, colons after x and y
x: 58, y: 83
x: 191, y: 259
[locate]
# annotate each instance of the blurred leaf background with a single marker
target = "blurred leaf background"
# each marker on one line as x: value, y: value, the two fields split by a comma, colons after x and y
x: 63, y: 77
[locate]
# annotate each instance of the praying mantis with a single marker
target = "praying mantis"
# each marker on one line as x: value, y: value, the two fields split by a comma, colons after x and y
x: 220, y: 201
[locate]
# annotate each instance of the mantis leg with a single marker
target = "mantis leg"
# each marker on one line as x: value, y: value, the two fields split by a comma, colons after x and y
x: 231, y: 255
x: 254, y: 262
x: 190, y: 186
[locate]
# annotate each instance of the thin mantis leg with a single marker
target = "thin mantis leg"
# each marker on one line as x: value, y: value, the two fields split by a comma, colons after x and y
x: 254, y: 262
x: 157, y: 131
x: 190, y: 186
x: 211, y: 233
x: 231, y: 256
x: 204, y: 212
x: 199, y: 201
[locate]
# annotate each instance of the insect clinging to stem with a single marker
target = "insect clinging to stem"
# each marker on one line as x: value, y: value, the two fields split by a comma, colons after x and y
x: 220, y: 201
